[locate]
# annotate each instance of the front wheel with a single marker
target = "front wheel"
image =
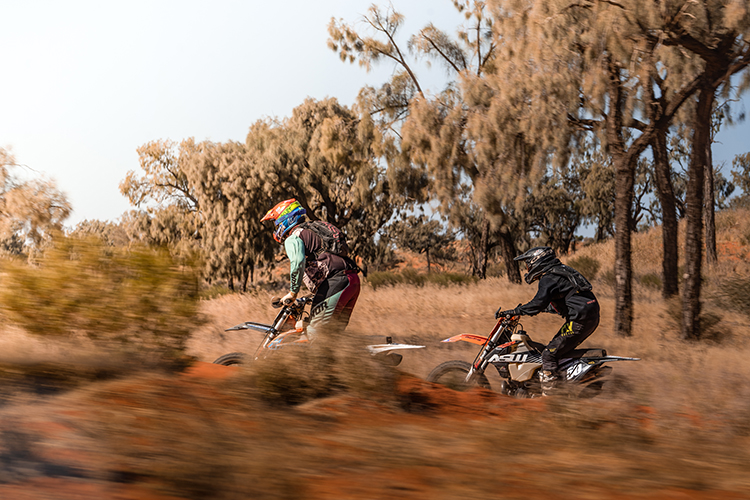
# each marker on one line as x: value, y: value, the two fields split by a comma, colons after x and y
x: 453, y: 374
x: 233, y: 358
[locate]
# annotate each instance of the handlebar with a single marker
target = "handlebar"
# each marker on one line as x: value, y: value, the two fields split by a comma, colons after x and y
x: 276, y: 302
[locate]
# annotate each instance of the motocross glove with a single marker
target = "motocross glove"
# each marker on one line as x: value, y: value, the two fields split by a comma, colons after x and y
x: 288, y: 298
x: 507, y: 313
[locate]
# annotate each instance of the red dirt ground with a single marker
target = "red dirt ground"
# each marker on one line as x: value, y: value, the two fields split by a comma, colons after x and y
x: 68, y: 465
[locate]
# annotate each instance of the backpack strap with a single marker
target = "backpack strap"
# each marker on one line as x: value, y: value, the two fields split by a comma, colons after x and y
x: 579, y: 282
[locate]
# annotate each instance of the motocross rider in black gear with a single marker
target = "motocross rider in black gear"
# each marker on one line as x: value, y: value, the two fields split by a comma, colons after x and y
x: 564, y: 291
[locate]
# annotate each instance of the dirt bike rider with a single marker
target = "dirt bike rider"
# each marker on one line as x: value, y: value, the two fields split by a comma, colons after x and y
x: 564, y: 291
x: 332, y: 278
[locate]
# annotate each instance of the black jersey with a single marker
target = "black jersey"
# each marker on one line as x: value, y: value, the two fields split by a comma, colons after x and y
x: 558, y: 294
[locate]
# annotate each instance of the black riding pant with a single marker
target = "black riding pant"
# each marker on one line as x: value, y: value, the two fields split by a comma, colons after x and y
x: 570, y: 336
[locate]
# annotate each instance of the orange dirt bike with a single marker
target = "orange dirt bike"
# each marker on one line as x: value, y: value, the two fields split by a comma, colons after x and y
x: 518, y: 360
x: 287, y: 330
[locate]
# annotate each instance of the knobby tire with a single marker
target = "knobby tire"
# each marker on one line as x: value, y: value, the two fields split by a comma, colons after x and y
x: 233, y: 358
x: 452, y: 374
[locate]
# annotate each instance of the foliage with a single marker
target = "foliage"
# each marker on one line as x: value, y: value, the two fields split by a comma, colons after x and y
x: 741, y: 177
x: 651, y: 280
x: 553, y: 211
x: 111, y: 234
x: 410, y: 276
x: 422, y: 235
x: 333, y: 364
x: 326, y: 155
x: 211, y: 196
x: 445, y: 148
x: 141, y: 298
x: 588, y: 266
x: 230, y: 189
x: 734, y: 293
x: 30, y: 210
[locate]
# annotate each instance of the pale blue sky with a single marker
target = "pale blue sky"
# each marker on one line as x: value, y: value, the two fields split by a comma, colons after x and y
x: 87, y: 82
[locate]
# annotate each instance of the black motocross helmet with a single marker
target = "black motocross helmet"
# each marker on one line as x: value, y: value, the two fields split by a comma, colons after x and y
x: 538, y: 260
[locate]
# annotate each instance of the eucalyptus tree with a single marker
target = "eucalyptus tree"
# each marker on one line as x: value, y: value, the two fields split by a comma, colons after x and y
x: 163, y: 181
x: 167, y: 212
x: 202, y: 197
x: 716, y: 31
x: 422, y: 235
x: 437, y: 141
x: 232, y: 191
x: 589, y: 63
x: 30, y: 210
x: 327, y: 156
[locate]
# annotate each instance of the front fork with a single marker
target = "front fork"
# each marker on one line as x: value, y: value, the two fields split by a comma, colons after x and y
x: 481, y: 361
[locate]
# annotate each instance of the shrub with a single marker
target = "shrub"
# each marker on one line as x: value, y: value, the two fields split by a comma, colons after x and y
x: 609, y: 277
x: 332, y: 364
x: 446, y: 279
x: 139, y: 297
x: 215, y: 291
x: 651, y: 280
x: 411, y: 276
x: 384, y: 278
x: 588, y: 266
x: 734, y: 293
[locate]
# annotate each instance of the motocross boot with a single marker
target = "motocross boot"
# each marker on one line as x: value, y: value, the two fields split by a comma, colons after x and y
x: 549, y: 381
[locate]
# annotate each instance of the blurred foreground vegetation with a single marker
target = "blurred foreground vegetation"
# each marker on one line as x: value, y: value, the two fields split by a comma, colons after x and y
x: 137, y: 299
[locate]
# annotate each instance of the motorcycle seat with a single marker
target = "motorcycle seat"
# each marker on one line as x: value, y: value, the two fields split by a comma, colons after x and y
x: 537, y: 346
x: 586, y: 353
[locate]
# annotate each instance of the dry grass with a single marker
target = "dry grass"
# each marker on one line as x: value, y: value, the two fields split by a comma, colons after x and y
x: 674, y: 425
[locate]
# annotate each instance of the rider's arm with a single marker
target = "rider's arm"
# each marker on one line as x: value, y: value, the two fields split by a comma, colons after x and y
x: 295, y: 250
x: 541, y: 301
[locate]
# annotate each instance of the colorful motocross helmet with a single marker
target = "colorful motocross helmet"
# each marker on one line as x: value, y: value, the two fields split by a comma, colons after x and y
x: 285, y: 215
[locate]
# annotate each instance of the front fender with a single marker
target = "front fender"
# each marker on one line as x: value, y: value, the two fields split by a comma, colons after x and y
x: 467, y: 337
x: 251, y: 325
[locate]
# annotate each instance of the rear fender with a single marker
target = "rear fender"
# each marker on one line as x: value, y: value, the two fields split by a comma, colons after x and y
x: 384, y: 348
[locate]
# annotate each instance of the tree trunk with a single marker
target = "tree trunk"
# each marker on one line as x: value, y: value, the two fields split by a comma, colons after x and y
x: 427, y: 254
x: 252, y: 273
x: 708, y: 208
x: 691, y: 305
x: 508, y: 250
x: 624, y: 182
x: 483, y: 249
x: 665, y: 191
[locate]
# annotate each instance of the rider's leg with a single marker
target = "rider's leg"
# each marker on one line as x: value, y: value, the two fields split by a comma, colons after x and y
x: 334, y: 300
x: 570, y: 336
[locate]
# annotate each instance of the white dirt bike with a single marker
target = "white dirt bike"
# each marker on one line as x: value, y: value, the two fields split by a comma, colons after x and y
x: 285, y: 332
x: 518, y: 360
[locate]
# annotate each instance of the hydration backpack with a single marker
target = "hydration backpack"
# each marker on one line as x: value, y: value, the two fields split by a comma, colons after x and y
x: 580, y: 283
x: 334, y: 241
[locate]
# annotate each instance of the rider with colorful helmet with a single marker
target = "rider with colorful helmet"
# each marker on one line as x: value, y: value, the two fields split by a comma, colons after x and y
x: 285, y: 215
x: 564, y: 291
x: 330, y: 276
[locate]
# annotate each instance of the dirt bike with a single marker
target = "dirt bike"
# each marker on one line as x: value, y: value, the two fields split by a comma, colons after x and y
x: 518, y: 360
x: 289, y: 329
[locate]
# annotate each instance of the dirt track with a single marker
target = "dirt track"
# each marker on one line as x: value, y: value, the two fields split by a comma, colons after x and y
x: 147, y: 439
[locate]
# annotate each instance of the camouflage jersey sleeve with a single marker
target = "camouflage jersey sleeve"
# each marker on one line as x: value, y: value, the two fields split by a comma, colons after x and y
x: 295, y: 250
